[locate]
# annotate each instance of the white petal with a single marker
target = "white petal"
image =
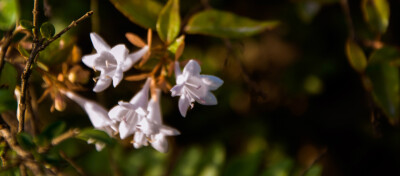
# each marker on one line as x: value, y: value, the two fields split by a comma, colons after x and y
x: 192, y: 68
x: 148, y: 127
x: 128, y: 127
x: 154, y: 112
x: 134, y: 57
x: 139, y: 140
x: 142, y: 97
x: 105, y: 62
x: 209, y: 99
x: 98, y: 43
x: 169, y: 131
x: 97, y: 114
x: 119, y: 52
x: 160, y: 143
x: 89, y: 60
x: 177, y: 90
x: 184, y: 104
x: 212, y: 82
x: 177, y: 70
x: 117, y: 78
x: 102, y: 84
x: 117, y: 112
x: 99, y: 146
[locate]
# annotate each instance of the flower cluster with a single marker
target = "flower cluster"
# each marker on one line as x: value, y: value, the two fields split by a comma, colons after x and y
x: 141, y: 116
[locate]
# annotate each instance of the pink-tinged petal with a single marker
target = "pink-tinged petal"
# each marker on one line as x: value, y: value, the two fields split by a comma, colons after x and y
x: 134, y: 57
x: 98, y: 43
x: 184, y: 104
x: 97, y: 114
x: 117, y: 113
x: 176, y: 90
x: 89, y: 60
x: 119, y: 52
x: 148, y: 127
x: 177, y: 70
x: 192, y: 68
x: 139, y: 140
x: 102, y: 84
x: 209, y: 99
x: 212, y: 82
x: 117, y: 77
x: 160, y: 143
x: 142, y: 97
x: 169, y: 131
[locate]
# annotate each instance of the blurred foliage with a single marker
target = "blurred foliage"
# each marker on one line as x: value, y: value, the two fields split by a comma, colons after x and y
x: 301, y: 95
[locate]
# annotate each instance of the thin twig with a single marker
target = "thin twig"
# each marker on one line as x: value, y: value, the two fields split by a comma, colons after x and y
x: 73, y: 164
x: 346, y: 9
x: 69, y: 134
x: 35, y: 21
x: 38, y: 45
x: 22, y: 170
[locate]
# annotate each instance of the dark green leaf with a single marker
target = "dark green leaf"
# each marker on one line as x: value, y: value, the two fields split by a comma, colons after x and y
x: 93, y: 134
x: 385, y: 54
x: 315, y: 170
x: 385, y: 83
x: 143, y: 13
x: 8, y: 77
x: 376, y: 13
x: 23, y: 51
x: 281, y: 167
x: 26, y: 24
x: 169, y: 21
x: 56, y: 53
x: 47, y: 30
x: 226, y: 24
x: 243, y: 165
x: 213, y: 160
x: 8, y: 14
x: 54, y: 130
x: 356, y: 56
x: 25, y: 140
x: 7, y: 101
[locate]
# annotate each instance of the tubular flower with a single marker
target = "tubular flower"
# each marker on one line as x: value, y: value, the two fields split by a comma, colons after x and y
x: 152, y: 129
x: 191, y: 86
x: 130, y: 113
x: 111, y: 62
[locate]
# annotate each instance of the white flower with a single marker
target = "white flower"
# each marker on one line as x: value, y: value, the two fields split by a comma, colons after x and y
x: 152, y: 129
x: 97, y: 115
x: 191, y: 86
x: 129, y: 114
x: 111, y: 62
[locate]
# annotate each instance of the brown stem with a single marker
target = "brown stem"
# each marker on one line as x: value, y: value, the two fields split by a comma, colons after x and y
x: 69, y: 134
x: 73, y: 164
x: 38, y: 45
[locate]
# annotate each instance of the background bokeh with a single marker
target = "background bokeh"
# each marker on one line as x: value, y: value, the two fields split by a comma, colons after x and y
x: 290, y: 104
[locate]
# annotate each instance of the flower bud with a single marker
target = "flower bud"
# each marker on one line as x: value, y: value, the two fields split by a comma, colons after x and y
x: 59, y: 102
x: 78, y: 75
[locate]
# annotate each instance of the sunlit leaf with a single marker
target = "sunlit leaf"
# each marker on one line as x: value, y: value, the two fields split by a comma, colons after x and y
x: 94, y: 134
x: 8, y: 14
x: 25, y: 140
x: 176, y: 44
x: 143, y: 13
x: 385, y: 84
x: 356, y: 56
x: 226, y: 24
x: 23, y: 51
x: 169, y: 21
x: 376, y: 13
x: 26, y: 24
x: 47, y: 30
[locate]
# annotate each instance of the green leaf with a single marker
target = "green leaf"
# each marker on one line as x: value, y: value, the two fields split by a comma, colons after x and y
x: 7, y: 101
x: 143, y: 13
x: 385, y: 54
x: 56, y: 53
x: 54, y: 130
x: 315, y: 170
x: 25, y: 140
x: 8, y: 77
x: 226, y: 24
x: 213, y: 160
x: 26, y: 24
x: 356, y: 56
x: 93, y: 134
x: 47, y: 30
x: 385, y: 83
x: 280, y: 167
x: 175, y: 45
x: 23, y: 51
x: 376, y: 13
x: 169, y: 21
x: 188, y: 162
x: 244, y: 165
x: 8, y: 14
